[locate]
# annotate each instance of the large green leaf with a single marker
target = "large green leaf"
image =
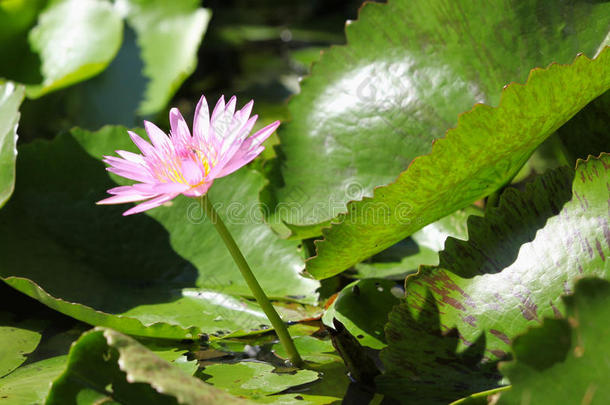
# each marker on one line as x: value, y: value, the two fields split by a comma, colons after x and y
x: 10, y: 99
x: 565, y: 361
x: 511, y: 273
x: 423, y: 364
x: 410, y: 67
x: 104, y: 364
x: 311, y: 349
x: 29, y: 331
x: 75, y: 39
x: 485, y: 150
x: 114, y: 96
x: 158, y: 53
x: 166, y: 274
x: 17, y: 339
x: 322, y: 357
x: 169, y: 34
x: 271, y: 383
x: 255, y: 380
x: 30, y: 384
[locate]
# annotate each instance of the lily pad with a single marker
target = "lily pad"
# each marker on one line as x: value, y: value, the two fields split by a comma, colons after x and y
x: 166, y: 274
x: 10, y: 99
x: 17, y: 339
x: 114, y: 96
x: 169, y: 35
x: 105, y: 364
x: 30, y: 332
x: 311, y: 349
x: 423, y: 364
x: 408, y: 69
x: 173, y: 352
x: 31, y: 384
x: 255, y: 380
x: 485, y: 150
x: 75, y: 39
x: 564, y: 361
x: 510, y: 274
x: 158, y: 53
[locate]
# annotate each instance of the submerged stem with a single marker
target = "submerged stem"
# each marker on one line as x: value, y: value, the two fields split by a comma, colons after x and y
x: 257, y: 291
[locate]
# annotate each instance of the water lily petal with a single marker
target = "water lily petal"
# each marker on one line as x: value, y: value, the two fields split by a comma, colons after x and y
x: 201, y: 122
x: 219, y: 108
x: 247, y: 109
x: 132, y: 175
x: 185, y: 164
x: 192, y: 172
x: 147, y: 205
x: 144, y: 146
x: 171, y: 188
x: 125, y: 198
x: 240, y: 161
x: 180, y: 130
x: 130, y: 156
x: 157, y: 137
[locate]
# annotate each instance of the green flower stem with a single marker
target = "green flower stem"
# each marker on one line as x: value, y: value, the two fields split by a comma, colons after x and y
x: 257, y: 291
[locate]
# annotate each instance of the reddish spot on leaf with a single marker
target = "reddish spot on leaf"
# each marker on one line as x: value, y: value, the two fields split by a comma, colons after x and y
x: 598, y: 246
x: 441, y: 284
x: 498, y: 353
x: 470, y: 320
x: 500, y: 335
x: 556, y: 311
x: 529, y: 309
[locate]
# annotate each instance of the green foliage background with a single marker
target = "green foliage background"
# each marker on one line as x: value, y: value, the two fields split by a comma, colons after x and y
x: 431, y: 217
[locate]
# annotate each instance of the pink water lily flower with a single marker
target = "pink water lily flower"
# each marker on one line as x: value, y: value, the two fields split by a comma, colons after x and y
x: 187, y: 164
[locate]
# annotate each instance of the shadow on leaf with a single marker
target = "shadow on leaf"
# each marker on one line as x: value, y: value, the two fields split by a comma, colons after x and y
x: 420, y: 354
x: 57, y: 237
